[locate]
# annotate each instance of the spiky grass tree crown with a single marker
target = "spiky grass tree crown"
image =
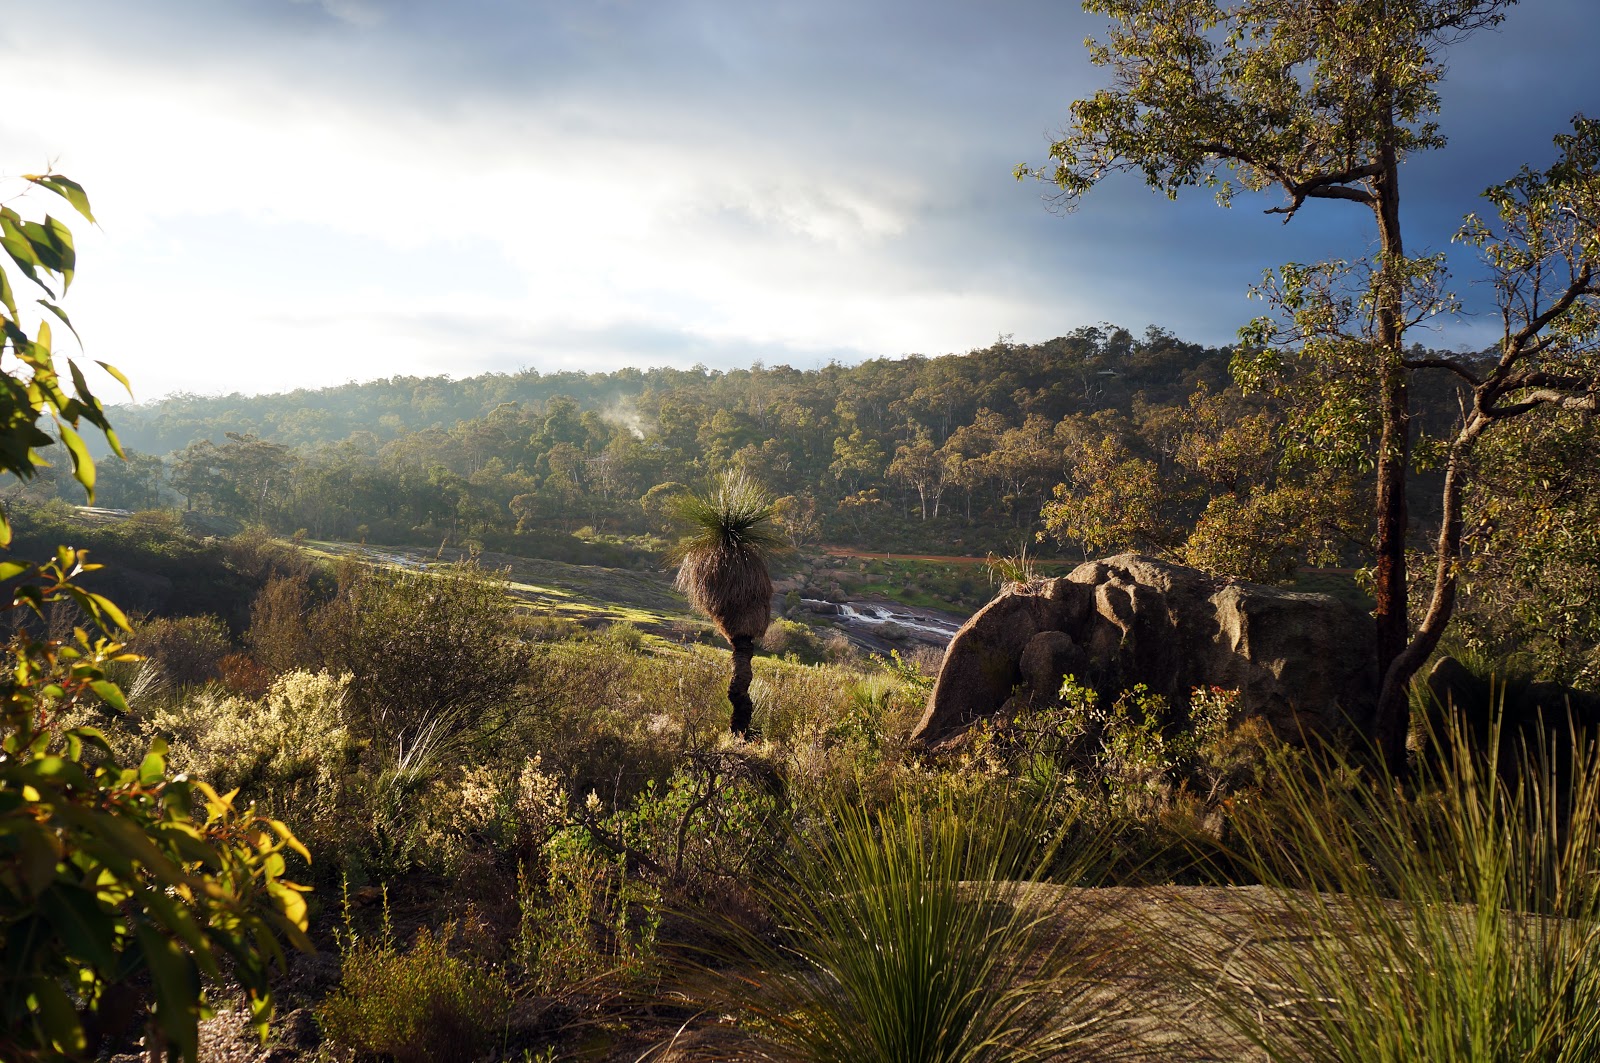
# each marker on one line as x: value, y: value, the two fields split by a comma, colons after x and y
x: 722, y: 559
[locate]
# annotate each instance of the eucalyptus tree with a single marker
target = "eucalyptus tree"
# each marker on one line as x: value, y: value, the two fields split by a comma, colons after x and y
x: 1323, y: 100
x: 722, y: 567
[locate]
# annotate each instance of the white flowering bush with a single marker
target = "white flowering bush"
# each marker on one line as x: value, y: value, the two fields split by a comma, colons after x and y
x: 288, y: 747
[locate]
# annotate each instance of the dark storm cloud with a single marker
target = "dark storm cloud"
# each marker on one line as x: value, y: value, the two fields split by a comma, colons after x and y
x: 910, y: 115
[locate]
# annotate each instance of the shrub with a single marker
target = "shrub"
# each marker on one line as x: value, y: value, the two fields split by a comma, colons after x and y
x: 188, y: 649
x: 428, y: 651
x: 420, y: 1006
x: 268, y: 746
x: 281, y: 637
x: 790, y: 637
x: 588, y: 918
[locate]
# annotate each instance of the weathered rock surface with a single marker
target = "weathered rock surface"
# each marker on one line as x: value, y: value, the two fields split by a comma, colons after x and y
x: 1302, y: 662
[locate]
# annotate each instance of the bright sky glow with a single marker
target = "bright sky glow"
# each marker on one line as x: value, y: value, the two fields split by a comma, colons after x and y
x: 304, y: 192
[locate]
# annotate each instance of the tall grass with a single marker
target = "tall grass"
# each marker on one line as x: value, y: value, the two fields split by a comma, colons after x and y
x: 1456, y: 921
x: 917, y: 935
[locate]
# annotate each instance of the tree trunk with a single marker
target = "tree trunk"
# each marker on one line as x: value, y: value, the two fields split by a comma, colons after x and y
x: 739, y: 689
x: 1393, y: 702
x: 1391, y: 622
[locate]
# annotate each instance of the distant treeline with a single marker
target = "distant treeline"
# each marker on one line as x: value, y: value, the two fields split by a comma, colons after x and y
x: 957, y: 454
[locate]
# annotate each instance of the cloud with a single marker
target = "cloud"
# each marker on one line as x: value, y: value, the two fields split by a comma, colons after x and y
x: 307, y: 191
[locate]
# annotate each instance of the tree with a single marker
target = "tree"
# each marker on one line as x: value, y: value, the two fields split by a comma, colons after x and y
x: 722, y: 567
x: 922, y: 466
x: 1323, y: 100
x: 109, y: 873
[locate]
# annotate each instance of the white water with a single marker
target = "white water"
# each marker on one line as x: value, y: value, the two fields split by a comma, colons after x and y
x: 879, y: 613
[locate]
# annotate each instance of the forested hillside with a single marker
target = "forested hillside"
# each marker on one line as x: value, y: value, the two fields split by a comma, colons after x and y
x: 956, y: 453
x: 1088, y: 444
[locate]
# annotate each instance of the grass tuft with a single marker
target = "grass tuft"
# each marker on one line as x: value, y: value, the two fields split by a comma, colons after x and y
x: 920, y: 935
x: 1456, y: 920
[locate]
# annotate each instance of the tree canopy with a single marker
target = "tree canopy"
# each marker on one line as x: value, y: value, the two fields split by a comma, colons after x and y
x: 1325, y: 101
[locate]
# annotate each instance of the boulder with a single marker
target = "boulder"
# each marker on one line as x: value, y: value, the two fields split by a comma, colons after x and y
x: 1302, y: 662
x: 1529, y: 714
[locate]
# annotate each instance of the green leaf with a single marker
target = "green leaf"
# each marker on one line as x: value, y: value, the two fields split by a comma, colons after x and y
x: 116, y: 374
x: 153, y: 768
x: 62, y: 314
x: 109, y: 693
x: 106, y: 609
x: 87, y: 929
x: 57, y: 1016
x: 35, y: 856
x: 82, y: 462
x: 177, y: 989
x: 67, y: 189
x: 13, y: 569
x: 7, y: 299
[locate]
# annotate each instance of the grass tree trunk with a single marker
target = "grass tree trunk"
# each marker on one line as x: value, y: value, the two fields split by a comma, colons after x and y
x: 739, y: 689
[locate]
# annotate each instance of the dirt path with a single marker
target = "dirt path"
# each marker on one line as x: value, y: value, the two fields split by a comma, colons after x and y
x: 847, y: 551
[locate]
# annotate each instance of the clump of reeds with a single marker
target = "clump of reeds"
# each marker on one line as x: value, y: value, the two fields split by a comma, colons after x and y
x: 920, y: 934
x: 1454, y: 918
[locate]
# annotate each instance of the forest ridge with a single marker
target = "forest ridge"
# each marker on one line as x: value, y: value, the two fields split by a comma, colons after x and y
x: 958, y: 452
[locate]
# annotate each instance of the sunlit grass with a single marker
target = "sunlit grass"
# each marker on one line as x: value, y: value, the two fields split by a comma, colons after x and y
x: 911, y: 936
x: 1455, y: 920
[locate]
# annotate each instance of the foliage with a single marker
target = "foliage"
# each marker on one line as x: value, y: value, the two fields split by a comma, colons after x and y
x: 912, y: 935
x: 290, y: 747
x: 108, y: 874
x: 418, y: 1006
x: 110, y: 871
x: 1535, y: 551
x: 722, y: 567
x: 588, y: 919
x: 1455, y: 921
x: 722, y: 558
x: 42, y: 251
x: 428, y: 651
x: 1325, y: 101
x: 186, y: 650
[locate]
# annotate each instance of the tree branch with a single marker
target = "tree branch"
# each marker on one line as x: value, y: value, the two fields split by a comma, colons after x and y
x: 1579, y: 287
x: 1442, y: 363
x: 1566, y: 400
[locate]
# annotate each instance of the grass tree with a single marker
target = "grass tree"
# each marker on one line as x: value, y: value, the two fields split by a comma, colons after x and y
x: 722, y: 567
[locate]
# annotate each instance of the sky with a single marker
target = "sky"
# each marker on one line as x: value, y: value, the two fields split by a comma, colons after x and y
x: 300, y: 193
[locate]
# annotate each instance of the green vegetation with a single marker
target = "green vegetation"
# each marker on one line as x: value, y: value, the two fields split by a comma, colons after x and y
x: 913, y: 936
x: 447, y: 698
x: 579, y: 835
x: 1455, y: 922
x: 416, y: 1006
x: 1326, y: 102
x: 722, y: 567
x: 126, y: 890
